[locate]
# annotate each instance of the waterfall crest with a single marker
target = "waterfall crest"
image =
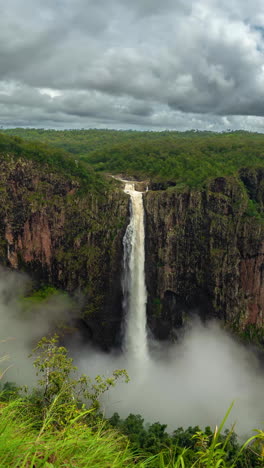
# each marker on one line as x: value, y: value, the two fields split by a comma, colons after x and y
x: 134, y: 288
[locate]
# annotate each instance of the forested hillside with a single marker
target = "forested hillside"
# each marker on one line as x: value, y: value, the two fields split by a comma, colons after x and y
x: 53, y: 159
x: 185, y: 159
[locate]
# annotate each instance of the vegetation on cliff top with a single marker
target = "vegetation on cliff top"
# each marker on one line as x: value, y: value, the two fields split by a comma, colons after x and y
x: 185, y: 158
x: 54, y: 159
x: 181, y: 160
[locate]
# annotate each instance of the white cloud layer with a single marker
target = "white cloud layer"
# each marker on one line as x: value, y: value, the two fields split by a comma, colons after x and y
x: 141, y: 64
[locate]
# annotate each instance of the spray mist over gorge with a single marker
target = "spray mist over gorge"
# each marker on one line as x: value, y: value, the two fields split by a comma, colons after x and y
x: 191, y: 382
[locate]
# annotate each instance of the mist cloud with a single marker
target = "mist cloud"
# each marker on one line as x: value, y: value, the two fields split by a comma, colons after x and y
x: 21, y: 328
x: 183, y: 65
x: 191, y: 382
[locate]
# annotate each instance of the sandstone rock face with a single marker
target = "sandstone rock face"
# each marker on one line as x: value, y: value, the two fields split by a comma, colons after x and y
x: 204, y: 248
x: 71, y: 241
x: 204, y: 254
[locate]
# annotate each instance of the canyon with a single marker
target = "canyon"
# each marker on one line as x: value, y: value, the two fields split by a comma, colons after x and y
x: 204, y: 248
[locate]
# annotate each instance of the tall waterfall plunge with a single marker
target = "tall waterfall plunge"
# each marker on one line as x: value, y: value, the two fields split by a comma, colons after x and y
x: 134, y: 288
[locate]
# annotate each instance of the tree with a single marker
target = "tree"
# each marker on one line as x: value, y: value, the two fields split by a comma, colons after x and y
x: 57, y: 377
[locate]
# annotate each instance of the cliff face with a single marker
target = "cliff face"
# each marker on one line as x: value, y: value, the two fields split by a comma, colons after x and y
x: 204, y: 249
x: 205, y: 254
x: 72, y: 241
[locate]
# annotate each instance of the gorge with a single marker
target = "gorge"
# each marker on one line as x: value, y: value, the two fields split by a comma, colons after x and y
x: 203, y: 250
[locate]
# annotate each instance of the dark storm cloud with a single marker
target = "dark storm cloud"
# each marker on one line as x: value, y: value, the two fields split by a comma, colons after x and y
x: 170, y: 64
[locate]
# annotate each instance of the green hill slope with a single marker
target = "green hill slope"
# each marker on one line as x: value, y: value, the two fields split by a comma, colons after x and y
x: 187, y: 158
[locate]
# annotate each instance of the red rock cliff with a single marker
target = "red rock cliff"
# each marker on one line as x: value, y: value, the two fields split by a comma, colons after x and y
x: 69, y: 240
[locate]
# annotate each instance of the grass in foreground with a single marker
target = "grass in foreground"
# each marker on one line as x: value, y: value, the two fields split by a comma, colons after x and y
x: 24, y: 444
x: 26, y: 440
x: 51, y: 427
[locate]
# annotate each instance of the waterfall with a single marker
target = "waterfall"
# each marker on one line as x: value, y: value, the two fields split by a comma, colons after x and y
x: 134, y: 288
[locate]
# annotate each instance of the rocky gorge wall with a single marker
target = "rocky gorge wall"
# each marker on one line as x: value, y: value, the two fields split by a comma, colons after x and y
x: 59, y: 237
x: 204, y: 248
x: 205, y: 254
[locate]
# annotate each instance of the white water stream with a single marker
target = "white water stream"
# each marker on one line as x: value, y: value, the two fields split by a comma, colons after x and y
x: 134, y: 288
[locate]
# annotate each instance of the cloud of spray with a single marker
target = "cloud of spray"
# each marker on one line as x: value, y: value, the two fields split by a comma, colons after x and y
x: 21, y: 329
x: 190, y: 383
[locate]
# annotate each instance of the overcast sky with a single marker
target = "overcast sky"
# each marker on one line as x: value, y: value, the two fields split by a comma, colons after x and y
x: 142, y: 64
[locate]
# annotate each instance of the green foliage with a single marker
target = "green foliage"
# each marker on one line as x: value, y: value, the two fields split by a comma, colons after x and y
x: 170, y: 160
x: 56, y: 377
x: 189, y: 448
x: 25, y: 443
x: 253, y: 335
x: 211, y: 450
x: 66, y: 434
x: 254, y: 210
x: 9, y: 391
x: 150, y: 439
x: 39, y: 297
x: 187, y: 159
x: 53, y: 158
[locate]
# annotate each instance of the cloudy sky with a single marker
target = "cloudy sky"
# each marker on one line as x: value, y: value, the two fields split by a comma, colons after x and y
x: 142, y: 64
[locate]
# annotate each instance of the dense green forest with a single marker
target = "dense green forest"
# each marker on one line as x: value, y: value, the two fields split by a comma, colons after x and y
x: 59, y: 423
x: 184, y: 158
x: 53, y: 159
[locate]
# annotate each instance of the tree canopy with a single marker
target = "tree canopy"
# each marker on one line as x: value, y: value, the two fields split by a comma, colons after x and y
x: 188, y: 159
